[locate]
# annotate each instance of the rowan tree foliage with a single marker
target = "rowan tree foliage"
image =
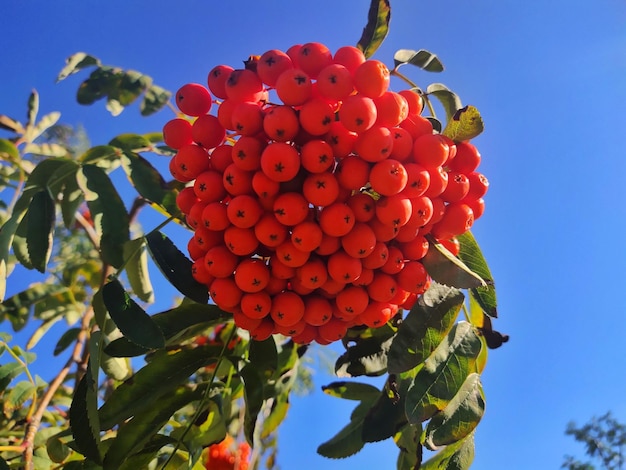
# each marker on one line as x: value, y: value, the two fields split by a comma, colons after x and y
x: 604, y: 439
x: 204, y: 383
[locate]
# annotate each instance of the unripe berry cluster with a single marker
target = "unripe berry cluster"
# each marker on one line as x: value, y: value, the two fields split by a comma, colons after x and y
x: 311, y: 190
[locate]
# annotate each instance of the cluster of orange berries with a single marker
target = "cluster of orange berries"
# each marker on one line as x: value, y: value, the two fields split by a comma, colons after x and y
x: 311, y: 190
x: 225, y: 455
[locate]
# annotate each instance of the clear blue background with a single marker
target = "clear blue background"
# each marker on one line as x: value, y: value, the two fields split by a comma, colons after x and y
x: 550, y: 81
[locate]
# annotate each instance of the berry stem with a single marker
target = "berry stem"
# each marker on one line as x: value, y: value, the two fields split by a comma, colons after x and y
x: 414, y: 85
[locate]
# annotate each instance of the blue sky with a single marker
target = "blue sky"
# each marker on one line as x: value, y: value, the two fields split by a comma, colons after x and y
x: 550, y: 81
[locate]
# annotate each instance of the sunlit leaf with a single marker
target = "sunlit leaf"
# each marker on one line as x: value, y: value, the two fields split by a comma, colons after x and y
x: 163, y: 374
x: 450, y: 101
x: 33, y: 108
x: 460, y: 417
x: 130, y: 318
x: 40, y: 229
x: 154, y: 100
x: 465, y: 124
x: 472, y: 256
x: 457, y: 456
x: 18, y: 306
x: 41, y: 331
x: 98, y: 85
x: 443, y: 373
x: 445, y: 268
x: 20, y: 245
x: 137, y: 269
x: 17, y: 396
x: 132, y: 142
x: 75, y: 63
x: 44, y: 124
x: 8, y: 372
x: 424, y: 327
x: 100, y: 154
x: 83, y: 417
x: 377, y: 27
x: 8, y: 148
x: 11, y: 125
x: 422, y: 59
x: 107, y: 211
x: 176, y: 267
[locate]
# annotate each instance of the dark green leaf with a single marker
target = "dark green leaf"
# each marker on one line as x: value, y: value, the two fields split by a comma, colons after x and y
x: 472, y: 256
x: 20, y: 245
x: 4, y: 465
x: 263, y: 356
x: 424, y: 327
x: 352, y: 391
x: 460, y: 417
x: 137, y: 269
x: 18, y: 306
x: 107, y: 211
x: 100, y: 83
x: 83, y: 417
x: 177, y: 324
x: 444, y: 373
x: 457, y: 456
x: 41, y: 216
x: 445, y: 268
x: 422, y: 59
x: 435, y: 123
x: 131, y: 85
x: 143, y: 458
x: 147, y: 180
x: 450, y: 101
x: 377, y: 27
x: 70, y: 202
x: 8, y: 148
x: 66, y: 339
x: 135, y: 324
x: 154, y: 100
x: 384, y: 419
x: 163, y: 374
x: 136, y: 433
x: 407, y: 440
x: 75, y: 63
x: 57, y: 450
x: 368, y: 356
x: 33, y: 108
x: 176, y: 267
x: 349, y: 440
x: 253, y: 396
x: 99, y: 154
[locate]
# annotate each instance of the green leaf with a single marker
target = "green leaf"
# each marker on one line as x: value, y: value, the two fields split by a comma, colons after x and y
x: 132, y: 142
x: 33, y: 108
x: 11, y: 125
x: 137, y: 269
x: 57, y: 450
x: 83, y: 415
x: 377, y: 27
x: 117, y: 368
x: 98, y: 85
x: 44, y: 124
x: 457, y: 456
x: 178, y: 324
x: 65, y: 340
x: 41, y: 330
x: 443, y: 373
x: 20, y: 245
x: 460, y: 417
x: 154, y: 100
x: 407, y: 440
x: 424, y: 327
x: 349, y: 440
x: 147, y: 181
x: 75, y: 63
x: 99, y: 154
x: 146, y: 455
x: 422, y: 59
x: 8, y: 149
x: 450, y: 101
x: 209, y: 428
x: 107, y: 211
x: 163, y: 374
x: 71, y: 200
x: 472, y: 256
x: 131, y: 85
x: 253, y: 396
x: 136, y: 433
x: 17, y: 396
x: 135, y: 324
x: 352, y: 391
x: 445, y: 268
x: 176, y: 267
x: 263, y: 356
x: 18, y: 306
x: 40, y: 230
x: 384, y: 419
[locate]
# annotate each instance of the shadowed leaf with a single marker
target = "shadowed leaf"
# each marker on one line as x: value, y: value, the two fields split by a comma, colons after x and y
x: 65, y: 340
x: 445, y: 268
x: 154, y: 100
x: 351, y: 391
x: 9, y: 149
x: 423, y: 59
x: 349, y: 440
x: 450, y: 101
x: 457, y: 456
x: 377, y: 27
x: 473, y: 258
x: 83, y: 416
x: 253, y: 396
x: 40, y: 229
x: 137, y: 269
x: 75, y: 63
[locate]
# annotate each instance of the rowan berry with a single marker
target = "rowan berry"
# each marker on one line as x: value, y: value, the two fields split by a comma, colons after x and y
x: 236, y: 180
x: 384, y: 232
x: 194, y: 218
x: 247, y: 118
x: 478, y: 185
x: 185, y: 199
x: 402, y: 147
x: 289, y: 254
x: 388, y: 177
x: 245, y: 322
x: 417, y: 126
x: 394, y: 210
x: 340, y: 139
x: 358, y: 113
x: 377, y: 314
x: 418, y: 180
x: 221, y: 157
x: 352, y: 172
x: 395, y: 261
x: 383, y: 287
x: 287, y: 308
x: 225, y: 114
x: 190, y: 161
x: 244, y: 211
x: 241, y: 241
x: 467, y: 158
x: 457, y: 188
x: 477, y: 206
x: 352, y: 301
x: 195, y: 251
x: 321, y: 189
x: 208, y: 187
x: 217, y: 80
x: 279, y: 269
x: 294, y: 87
x: 193, y: 99
x: 439, y: 208
x: 452, y: 245
x: 252, y: 275
x: 457, y: 219
x: 391, y: 109
x: 328, y: 245
x: 177, y: 132
x: 313, y: 57
x: 307, y: 236
x: 215, y: 216
x: 375, y: 144
x: 280, y: 161
x: 291, y: 330
x: 415, y: 249
x: 371, y: 78
x: 291, y: 208
x: 271, y: 64
x: 246, y: 153
x: 220, y: 261
x: 422, y: 211
x: 413, y: 277
x: 263, y: 331
x: 334, y: 82
x: 244, y: 85
x: 199, y: 272
x: 344, y: 268
x: 270, y: 231
x: 438, y: 182
x: 225, y: 293
x: 281, y: 123
x: 312, y: 274
x: 360, y: 241
x: 308, y: 335
x: 350, y: 57
x: 430, y: 150
x: 378, y: 257
x: 207, y: 131
x: 414, y: 101
x: 337, y: 219
x: 333, y: 330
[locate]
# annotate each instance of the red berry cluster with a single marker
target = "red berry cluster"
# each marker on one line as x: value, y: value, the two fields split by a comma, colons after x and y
x: 226, y: 456
x: 314, y: 186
